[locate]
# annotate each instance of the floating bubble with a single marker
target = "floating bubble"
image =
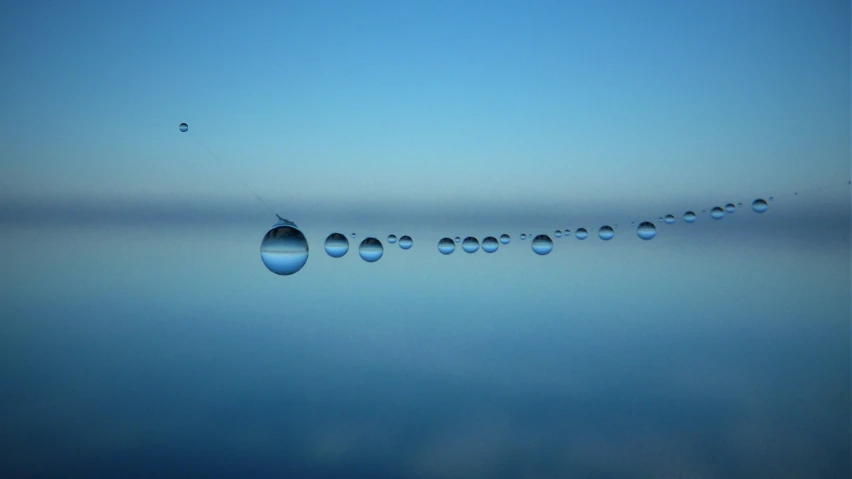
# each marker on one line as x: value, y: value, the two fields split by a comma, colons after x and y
x: 542, y: 244
x: 730, y: 208
x: 336, y: 245
x: 470, y: 245
x: 490, y: 244
x: 606, y: 233
x: 523, y: 236
x: 446, y: 246
x: 505, y: 239
x: 759, y: 205
x: 557, y: 233
x: 458, y: 240
x: 689, y: 217
x: 646, y: 230
x: 184, y: 127
x: 406, y: 242
x: 581, y: 234
x: 717, y: 213
x: 371, y: 250
x: 284, y: 249
x: 669, y: 219
x: 391, y: 239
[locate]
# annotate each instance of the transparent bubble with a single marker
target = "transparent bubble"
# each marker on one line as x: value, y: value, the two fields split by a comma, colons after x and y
x: 490, y: 244
x: 184, y: 127
x: 542, y: 244
x: 669, y: 219
x: 406, y: 242
x: 606, y: 233
x: 523, y: 236
x: 336, y: 245
x: 446, y: 246
x: 470, y: 245
x: 730, y: 207
x: 581, y: 234
x: 391, y: 239
x: 646, y: 230
x: 284, y: 249
x: 371, y: 250
x: 458, y: 240
x: 717, y: 213
x: 759, y: 205
x: 689, y: 217
x: 557, y: 234
x: 505, y: 239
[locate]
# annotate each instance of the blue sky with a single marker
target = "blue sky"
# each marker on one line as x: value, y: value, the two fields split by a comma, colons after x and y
x: 436, y: 104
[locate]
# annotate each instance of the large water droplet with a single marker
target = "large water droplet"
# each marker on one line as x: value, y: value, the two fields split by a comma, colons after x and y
x: 717, y: 213
x: 730, y: 207
x: 505, y: 239
x: 669, y: 219
x: 406, y: 242
x: 336, y: 245
x: 606, y: 233
x: 470, y: 245
x: 689, y: 217
x: 557, y: 234
x: 490, y: 244
x: 391, y: 239
x: 371, y: 250
x: 184, y: 127
x: 646, y: 230
x: 581, y: 234
x: 542, y: 244
x: 284, y: 249
x: 523, y: 236
x: 759, y: 205
x: 446, y: 246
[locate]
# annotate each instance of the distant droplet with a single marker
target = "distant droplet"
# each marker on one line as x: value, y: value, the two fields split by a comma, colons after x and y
x: 184, y: 127
x: 796, y: 194
x: 606, y: 233
x: 458, y: 240
x: 646, y: 230
x: 771, y: 198
x: 557, y: 233
x: 353, y: 235
x: 542, y: 245
x: 759, y: 206
x: 523, y: 236
x: 632, y: 223
x: 717, y: 213
x: 284, y: 249
x: 391, y: 239
x: 581, y: 234
x: 669, y: 219
x: 405, y: 242
x: 730, y: 208
x: 490, y: 244
x: 446, y: 246
x: 371, y: 250
x: 739, y: 205
x: 689, y: 217
x: 505, y: 239
x: 566, y: 232
x: 336, y: 245
x: 615, y: 226
x: 470, y: 245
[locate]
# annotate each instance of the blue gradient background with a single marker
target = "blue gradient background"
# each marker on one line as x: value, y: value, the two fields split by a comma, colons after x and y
x: 141, y: 336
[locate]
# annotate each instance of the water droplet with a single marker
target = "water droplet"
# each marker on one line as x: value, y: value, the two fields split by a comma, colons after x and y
x: 689, y: 217
x: 336, y: 245
x: 581, y: 234
x: 470, y: 245
x: 505, y: 239
x: 184, y: 127
x: 606, y: 233
x: 557, y: 233
x: 771, y: 198
x: 796, y: 194
x: 405, y: 242
x: 446, y: 246
x: 566, y: 232
x: 704, y: 211
x: 615, y: 226
x: 632, y: 223
x: 670, y: 219
x: 730, y: 208
x: 542, y: 245
x: 353, y: 235
x: 371, y: 250
x: 523, y: 236
x: 717, y: 213
x: 391, y: 239
x: 646, y: 230
x: 284, y: 249
x: 458, y: 240
x: 739, y: 205
x: 490, y: 244
x: 759, y: 205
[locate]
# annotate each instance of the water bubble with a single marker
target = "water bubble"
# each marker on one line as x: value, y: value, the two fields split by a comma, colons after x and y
x: 371, y: 250
x: 336, y: 245
x: 646, y: 230
x: 184, y: 127
x: 581, y: 234
x: 759, y: 205
x: 730, y: 208
x: 391, y: 239
x: 523, y: 236
x: 557, y: 233
x: 284, y: 249
x: 717, y: 213
x: 670, y: 219
x: 542, y: 245
x: 405, y: 242
x: 490, y: 244
x: 470, y: 245
x: 689, y: 217
x: 505, y: 239
x: 446, y: 246
x: 606, y: 233
x: 458, y: 240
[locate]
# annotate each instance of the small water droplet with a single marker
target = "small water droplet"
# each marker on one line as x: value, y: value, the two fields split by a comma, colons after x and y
x: 771, y: 198
x: 542, y: 245
x: 646, y: 230
x: 739, y: 205
x: 759, y: 205
x: 446, y: 246
x: 470, y: 245
x: 717, y: 213
x: 523, y: 236
x: 405, y: 242
x: 284, y: 249
x: 391, y: 239
x: 632, y: 223
x: 458, y: 240
x: 581, y: 234
x: 606, y: 233
x: 566, y: 232
x: 371, y: 250
x: 615, y: 226
x: 730, y: 208
x: 670, y: 219
x: 505, y: 239
x: 353, y: 235
x: 184, y: 127
x: 490, y: 244
x: 336, y: 245
x: 796, y: 194
x: 557, y: 233
x: 689, y: 217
